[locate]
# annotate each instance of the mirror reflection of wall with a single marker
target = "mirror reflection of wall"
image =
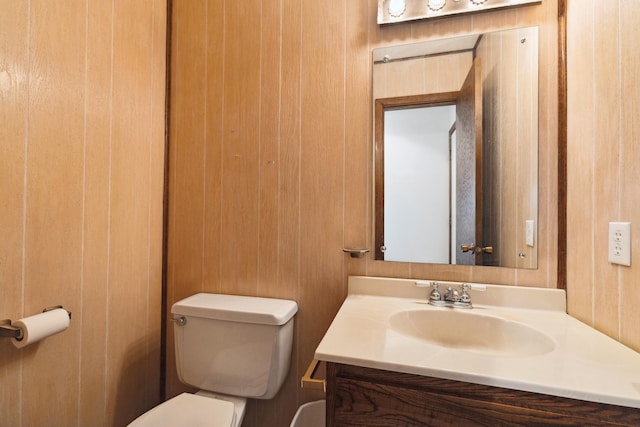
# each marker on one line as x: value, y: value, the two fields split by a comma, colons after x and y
x: 507, y: 197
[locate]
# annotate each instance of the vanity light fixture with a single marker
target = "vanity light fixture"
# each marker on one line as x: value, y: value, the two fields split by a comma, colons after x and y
x: 393, y: 11
x: 397, y: 8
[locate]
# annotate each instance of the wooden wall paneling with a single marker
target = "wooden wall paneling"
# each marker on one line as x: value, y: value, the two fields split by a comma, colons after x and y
x: 602, y: 172
x: 441, y: 28
x: 58, y: 61
x: 157, y: 103
x: 213, y: 138
x: 314, y: 146
x: 187, y: 161
x: 547, y: 274
x: 503, y: 18
x: 288, y: 240
x: 131, y: 350
x: 283, y: 405
x: 14, y: 65
x: 322, y: 171
x: 240, y: 185
x: 390, y: 269
x: 241, y: 153
x: 629, y: 174
x: 97, y: 129
x: 580, y: 178
x: 187, y: 148
x: 268, y: 162
x: 288, y: 226
x: 53, y: 241
x: 606, y: 152
x: 358, y: 138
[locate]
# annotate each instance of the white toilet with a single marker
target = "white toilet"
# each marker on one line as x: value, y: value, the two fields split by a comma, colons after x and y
x: 231, y: 348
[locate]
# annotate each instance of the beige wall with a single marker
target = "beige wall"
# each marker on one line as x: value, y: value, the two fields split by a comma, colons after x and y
x: 270, y: 158
x: 603, y: 163
x: 81, y: 165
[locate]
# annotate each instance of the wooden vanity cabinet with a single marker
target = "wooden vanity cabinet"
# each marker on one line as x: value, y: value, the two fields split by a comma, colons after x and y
x: 359, y: 396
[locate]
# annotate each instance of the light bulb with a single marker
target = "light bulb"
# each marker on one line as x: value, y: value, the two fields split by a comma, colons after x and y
x: 436, y: 5
x: 397, y: 8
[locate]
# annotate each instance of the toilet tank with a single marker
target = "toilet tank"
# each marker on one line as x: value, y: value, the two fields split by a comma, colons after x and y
x: 232, y: 344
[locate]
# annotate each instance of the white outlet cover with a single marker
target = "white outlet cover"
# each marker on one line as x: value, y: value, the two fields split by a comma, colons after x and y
x: 620, y: 243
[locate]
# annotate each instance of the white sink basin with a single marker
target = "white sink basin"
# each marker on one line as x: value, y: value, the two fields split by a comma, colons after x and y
x: 471, y: 331
x: 515, y: 337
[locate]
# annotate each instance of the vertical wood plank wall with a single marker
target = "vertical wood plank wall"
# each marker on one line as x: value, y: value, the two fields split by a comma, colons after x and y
x: 442, y: 73
x: 603, y: 163
x: 82, y: 93
x: 271, y: 158
x: 270, y: 178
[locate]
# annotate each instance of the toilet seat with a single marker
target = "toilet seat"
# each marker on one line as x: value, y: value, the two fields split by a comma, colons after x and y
x: 190, y: 410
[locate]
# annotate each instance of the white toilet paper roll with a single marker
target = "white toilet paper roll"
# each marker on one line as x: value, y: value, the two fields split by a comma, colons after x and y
x: 34, y: 328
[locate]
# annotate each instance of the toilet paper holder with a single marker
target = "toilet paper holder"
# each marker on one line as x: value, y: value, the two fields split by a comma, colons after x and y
x: 7, y: 330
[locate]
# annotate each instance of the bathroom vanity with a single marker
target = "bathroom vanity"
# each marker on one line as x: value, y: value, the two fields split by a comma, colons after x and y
x: 516, y: 358
x: 358, y: 396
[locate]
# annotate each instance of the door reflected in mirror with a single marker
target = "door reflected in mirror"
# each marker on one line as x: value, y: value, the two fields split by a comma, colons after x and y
x: 456, y: 150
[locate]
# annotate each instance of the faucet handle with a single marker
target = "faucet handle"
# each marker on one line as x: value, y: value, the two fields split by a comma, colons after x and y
x: 435, y: 293
x: 464, y: 297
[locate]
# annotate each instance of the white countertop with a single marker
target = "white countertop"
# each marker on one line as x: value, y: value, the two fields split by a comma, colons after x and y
x: 584, y: 364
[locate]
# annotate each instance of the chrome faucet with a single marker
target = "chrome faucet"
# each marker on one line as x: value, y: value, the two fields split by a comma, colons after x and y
x: 455, y: 298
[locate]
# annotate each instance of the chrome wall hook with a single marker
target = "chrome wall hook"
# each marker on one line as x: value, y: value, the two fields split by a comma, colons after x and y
x: 355, y: 252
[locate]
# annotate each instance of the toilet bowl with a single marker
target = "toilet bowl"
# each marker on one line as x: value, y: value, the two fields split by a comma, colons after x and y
x: 231, y: 348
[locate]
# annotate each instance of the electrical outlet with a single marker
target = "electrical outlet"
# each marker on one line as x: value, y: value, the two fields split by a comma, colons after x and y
x: 529, y: 229
x: 620, y: 243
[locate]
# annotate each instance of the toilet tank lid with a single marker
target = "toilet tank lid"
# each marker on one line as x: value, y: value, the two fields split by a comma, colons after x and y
x: 236, y: 308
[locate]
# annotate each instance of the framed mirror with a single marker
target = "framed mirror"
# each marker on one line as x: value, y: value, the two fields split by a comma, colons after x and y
x: 456, y: 150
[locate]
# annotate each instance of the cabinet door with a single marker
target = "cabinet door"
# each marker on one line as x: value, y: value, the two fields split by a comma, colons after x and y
x: 368, y: 397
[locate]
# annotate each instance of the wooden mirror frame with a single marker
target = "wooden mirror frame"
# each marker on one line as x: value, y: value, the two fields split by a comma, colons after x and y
x: 562, y: 146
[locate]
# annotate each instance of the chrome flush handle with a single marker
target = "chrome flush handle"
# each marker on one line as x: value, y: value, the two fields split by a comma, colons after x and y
x: 179, y: 321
